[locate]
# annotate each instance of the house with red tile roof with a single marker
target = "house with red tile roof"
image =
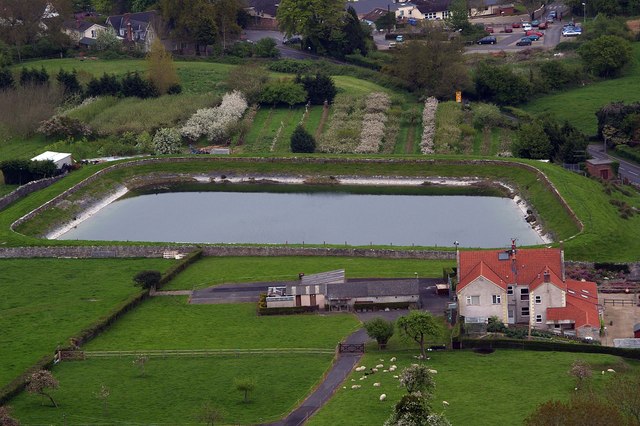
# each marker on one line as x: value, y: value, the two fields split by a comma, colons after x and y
x: 526, y: 286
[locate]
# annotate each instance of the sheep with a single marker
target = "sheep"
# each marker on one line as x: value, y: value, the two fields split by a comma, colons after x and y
x: 344, y: 387
x: 611, y: 370
x: 353, y: 380
x: 433, y: 371
x: 393, y: 359
x: 445, y: 403
x: 376, y: 385
x: 375, y: 370
x: 383, y: 397
x: 381, y: 360
x: 355, y: 387
x: 602, y: 371
x: 379, y: 366
x: 363, y: 377
x: 361, y: 368
x: 396, y: 377
x: 394, y: 366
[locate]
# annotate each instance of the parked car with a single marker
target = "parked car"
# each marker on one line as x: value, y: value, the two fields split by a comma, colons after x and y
x: 393, y: 45
x: 516, y: 25
x: 487, y: 40
x: 533, y: 37
x: 400, y: 38
x: 532, y: 32
x: 542, y: 26
x: 535, y: 23
x: 550, y: 19
x: 292, y: 40
x: 570, y: 32
x: 507, y: 29
x: 527, y: 26
x: 489, y: 29
x: 553, y: 14
x: 524, y: 41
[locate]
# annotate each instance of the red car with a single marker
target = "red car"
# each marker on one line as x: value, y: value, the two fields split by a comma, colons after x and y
x: 507, y: 29
x: 516, y: 25
x: 488, y: 29
x: 542, y: 26
x: 534, y: 32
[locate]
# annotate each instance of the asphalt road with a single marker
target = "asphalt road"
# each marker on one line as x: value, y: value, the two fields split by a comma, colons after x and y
x: 627, y: 170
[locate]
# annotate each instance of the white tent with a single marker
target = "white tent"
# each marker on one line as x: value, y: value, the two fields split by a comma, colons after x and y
x: 58, y: 158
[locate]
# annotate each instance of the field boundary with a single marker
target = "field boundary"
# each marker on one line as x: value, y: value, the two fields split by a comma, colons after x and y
x: 165, y: 353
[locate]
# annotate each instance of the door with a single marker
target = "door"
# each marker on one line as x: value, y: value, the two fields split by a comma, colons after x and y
x: 312, y: 300
x: 298, y: 300
x: 511, y: 314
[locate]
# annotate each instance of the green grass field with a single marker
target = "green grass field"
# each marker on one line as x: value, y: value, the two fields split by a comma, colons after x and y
x: 172, y: 323
x: 500, y: 388
x: 43, y: 302
x: 211, y: 271
x: 578, y: 106
x: 174, y: 390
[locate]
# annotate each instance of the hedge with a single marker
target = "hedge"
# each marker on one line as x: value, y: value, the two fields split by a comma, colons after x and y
x: 46, y: 362
x: 628, y: 153
x: 536, y: 345
x: 381, y: 306
x: 287, y: 310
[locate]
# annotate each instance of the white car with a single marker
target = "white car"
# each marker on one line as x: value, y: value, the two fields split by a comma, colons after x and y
x: 527, y: 26
x: 570, y: 32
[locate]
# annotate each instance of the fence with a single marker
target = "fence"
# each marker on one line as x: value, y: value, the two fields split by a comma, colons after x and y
x: 167, y: 353
x: 351, y: 348
x: 619, y: 302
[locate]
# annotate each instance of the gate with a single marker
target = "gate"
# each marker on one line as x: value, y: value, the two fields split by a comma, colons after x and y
x: 351, y: 348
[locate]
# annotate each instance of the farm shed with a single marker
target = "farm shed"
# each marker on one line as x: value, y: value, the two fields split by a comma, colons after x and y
x: 60, y: 159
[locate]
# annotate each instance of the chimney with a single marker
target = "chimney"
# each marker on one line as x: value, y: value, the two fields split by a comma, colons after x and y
x: 547, y: 276
x: 129, y: 32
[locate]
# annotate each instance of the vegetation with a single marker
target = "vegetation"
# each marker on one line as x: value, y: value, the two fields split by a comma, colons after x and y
x: 42, y: 383
x: 147, y: 279
x: 420, y: 327
x: 380, y: 329
x: 46, y: 301
x: 302, y: 141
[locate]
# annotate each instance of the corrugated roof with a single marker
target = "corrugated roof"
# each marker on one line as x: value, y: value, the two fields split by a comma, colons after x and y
x: 51, y: 155
x: 631, y: 343
x: 323, y: 278
x: 373, y: 289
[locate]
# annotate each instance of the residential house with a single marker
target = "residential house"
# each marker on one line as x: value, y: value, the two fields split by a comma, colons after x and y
x: 526, y: 286
x: 138, y: 30
x: 263, y: 14
x: 490, y: 7
x: 83, y: 33
x: 364, y: 7
x: 424, y: 9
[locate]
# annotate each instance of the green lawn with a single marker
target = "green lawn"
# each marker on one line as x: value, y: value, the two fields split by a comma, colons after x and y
x: 210, y: 271
x: 174, y: 390
x: 579, y: 106
x: 172, y: 323
x: 43, y: 302
x: 500, y: 388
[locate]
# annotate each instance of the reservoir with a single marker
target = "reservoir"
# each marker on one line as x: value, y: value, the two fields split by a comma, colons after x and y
x: 310, y: 218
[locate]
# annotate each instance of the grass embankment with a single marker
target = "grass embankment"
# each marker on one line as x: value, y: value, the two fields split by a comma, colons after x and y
x: 480, y: 389
x: 607, y: 237
x: 210, y: 271
x: 179, y: 325
x: 578, y: 106
x: 174, y: 390
x: 43, y: 302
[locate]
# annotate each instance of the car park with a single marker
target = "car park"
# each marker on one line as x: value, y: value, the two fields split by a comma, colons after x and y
x: 507, y: 29
x: 527, y: 26
x: 399, y: 38
x: 533, y: 37
x: 570, y: 32
x: 487, y: 40
x: 542, y: 26
x: 534, y: 32
x: 535, y: 23
x: 550, y: 19
x: 524, y: 41
x: 516, y: 25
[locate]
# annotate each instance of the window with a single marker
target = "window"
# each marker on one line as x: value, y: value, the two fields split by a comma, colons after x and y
x: 525, y: 311
x: 538, y: 300
x: 510, y: 313
x: 473, y: 300
x: 93, y: 33
x: 510, y: 289
x: 539, y: 319
x: 497, y: 299
x: 556, y: 325
x: 524, y: 294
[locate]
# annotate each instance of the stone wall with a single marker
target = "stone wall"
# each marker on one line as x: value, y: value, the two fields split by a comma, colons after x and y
x: 84, y: 252
x: 27, y: 189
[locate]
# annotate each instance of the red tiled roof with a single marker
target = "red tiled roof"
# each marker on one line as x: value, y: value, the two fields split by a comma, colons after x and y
x: 528, y: 262
x: 582, y: 305
x: 553, y: 279
x: 481, y: 269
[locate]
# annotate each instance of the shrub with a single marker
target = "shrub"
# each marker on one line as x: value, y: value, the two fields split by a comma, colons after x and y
x: 606, y: 55
x: 64, y: 126
x: 242, y: 49
x: 249, y: 80
x: 266, y: 48
x: 167, y: 141
x: 531, y: 142
x: 33, y: 76
x: 69, y: 81
x: 320, y: 89
x: 291, y: 66
x: 498, y: 84
x: 429, y: 125
x: 107, y: 85
x: 134, y: 85
x: 495, y: 325
x: 147, y: 279
x: 19, y: 172
x: 6, y: 79
x: 215, y: 122
x: 302, y: 141
x: 558, y: 75
x: 283, y: 92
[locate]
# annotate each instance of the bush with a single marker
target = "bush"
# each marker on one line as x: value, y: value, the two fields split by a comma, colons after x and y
x: 214, y: 123
x: 606, y: 55
x: 320, y: 89
x: 487, y: 115
x: 19, y: 172
x: 69, y: 82
x: 107, y: 85
x: 6, y: 79
x: 495, y: 325
x: 63, y: 126
x: 559, y: 75
x: 167, y: 141
x: 147, y: 279
x: 242, y: 49
x: 134, y: 85
x: 302, y: 141
x: 33, y: 76
x: 628, y: 153
x: 284, y: 92
x: 498, y: 84
x: 266, y: 48
x: 291, y: 66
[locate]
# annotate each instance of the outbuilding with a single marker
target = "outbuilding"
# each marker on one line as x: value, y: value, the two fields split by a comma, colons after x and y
x: 636, y: 331
x: 601, y: 168
x: 60, y: 159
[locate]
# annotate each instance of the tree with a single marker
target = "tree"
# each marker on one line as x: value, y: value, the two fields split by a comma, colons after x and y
x: 226, y: 15
x: 315, y: 20
x: 531, y: 142
x: 419, y: 326
x: 302, y: 141
x: 418, y: 378
x: 580, y: 410
x: 248, y: 79
x: 354, y: 37
x: 39, y: 383
x: 458, y: 19
x: 386, y: 21
x: 210, y: 414
x: 167, y: 141
x: 320, y: 89
x: 142, y: 5
x: 581, y: 370
x: 266, y: 48
x: 108, y: 41
x: 161, y: 69
x: 245, y: 385
x: 5, y: 417
x: 380, y: 329
x: 434, y: 66
x: 606, y: 55
x: 530, y: 5
x: 147, y: 279
x: 498, y: 84
x: 69, y: 81
x: 495, y: 325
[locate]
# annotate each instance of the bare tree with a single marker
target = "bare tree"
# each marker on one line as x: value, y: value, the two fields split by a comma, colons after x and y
x: 40, y: 382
